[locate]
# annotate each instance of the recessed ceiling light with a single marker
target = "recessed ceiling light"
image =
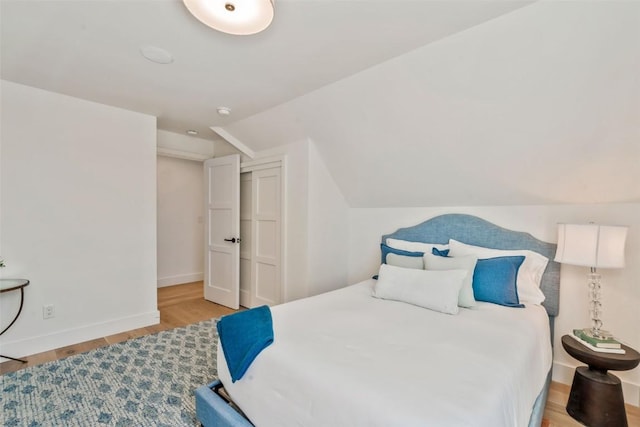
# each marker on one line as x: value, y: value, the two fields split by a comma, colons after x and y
x: 156, y: 54
x: 224, y: 111
x: 192, y: 132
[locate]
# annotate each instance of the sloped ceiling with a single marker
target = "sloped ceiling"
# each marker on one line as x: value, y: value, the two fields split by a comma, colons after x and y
x: 540, y: 106
x: 410, y: 103
x: 90, y: 49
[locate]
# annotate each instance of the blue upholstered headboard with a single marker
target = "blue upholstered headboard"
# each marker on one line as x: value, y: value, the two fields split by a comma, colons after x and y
x: 476, y: 231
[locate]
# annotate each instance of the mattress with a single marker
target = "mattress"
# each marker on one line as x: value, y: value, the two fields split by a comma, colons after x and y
x: 345, y: 358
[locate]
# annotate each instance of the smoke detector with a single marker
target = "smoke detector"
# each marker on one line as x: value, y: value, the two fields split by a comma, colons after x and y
x: 224, y: 111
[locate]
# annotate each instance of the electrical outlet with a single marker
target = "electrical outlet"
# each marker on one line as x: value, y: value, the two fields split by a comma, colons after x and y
x: 48, y: 311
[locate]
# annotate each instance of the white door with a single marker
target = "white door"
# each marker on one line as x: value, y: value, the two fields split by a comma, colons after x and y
x: 222, y: 260
x: 246, y: 245
x: 266, y: 264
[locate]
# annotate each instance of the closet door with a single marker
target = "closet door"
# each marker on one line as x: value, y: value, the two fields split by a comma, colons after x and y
x: 221, y: 274
x: 266, y: 265
x: 246, y: 294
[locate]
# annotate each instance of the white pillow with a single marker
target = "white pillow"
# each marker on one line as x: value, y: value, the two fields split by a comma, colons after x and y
x: 405, y: 261
x: 435, y: 290
x: 467, y: 263
x: 406, y: 245
x: 529, y: 274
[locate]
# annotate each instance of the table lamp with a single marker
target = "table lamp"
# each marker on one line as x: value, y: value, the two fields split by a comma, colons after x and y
x: 595, y: 246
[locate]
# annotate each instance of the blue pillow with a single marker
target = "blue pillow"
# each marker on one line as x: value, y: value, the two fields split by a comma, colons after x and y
x: 443, y: 252
x: 389, y: 250
x: 494, y: 280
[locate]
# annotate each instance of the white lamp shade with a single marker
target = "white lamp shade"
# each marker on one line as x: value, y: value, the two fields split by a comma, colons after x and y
x: 239, y: 17
x: 591, y: 245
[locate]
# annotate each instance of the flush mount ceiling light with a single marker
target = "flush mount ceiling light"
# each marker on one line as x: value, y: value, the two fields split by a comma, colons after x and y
x: 192, y: 132
x: 224, y: 111
x: 239, y: 17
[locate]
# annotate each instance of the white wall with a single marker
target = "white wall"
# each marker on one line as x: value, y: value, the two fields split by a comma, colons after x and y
x: 315, y: 219
x: 184, y: 146
x: 78, y: 217
x: 328, y: 228
x: 180, y: 221
x: 552, y: 83
x: 223, y: 148
x: 621, y: 293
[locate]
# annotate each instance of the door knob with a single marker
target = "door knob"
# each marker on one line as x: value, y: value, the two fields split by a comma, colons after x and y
x: 233, y: 240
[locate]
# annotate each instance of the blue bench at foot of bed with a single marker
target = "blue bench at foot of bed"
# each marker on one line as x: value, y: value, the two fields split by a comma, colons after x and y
x: 213, y: 411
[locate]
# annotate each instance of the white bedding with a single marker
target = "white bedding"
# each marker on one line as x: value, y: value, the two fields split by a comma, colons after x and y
x: 347, y: 359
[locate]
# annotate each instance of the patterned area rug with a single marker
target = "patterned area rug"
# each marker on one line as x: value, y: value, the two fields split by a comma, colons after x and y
x: 143, y: 381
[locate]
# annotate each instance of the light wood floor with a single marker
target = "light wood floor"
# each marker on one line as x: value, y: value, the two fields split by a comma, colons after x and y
x: 184, y: 304
x: 179, y: 305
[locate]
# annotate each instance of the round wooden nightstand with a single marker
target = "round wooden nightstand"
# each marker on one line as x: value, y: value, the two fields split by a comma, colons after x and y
x: 596, y: 398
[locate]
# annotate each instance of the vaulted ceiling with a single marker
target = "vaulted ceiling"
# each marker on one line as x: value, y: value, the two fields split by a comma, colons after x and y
x: 409, y: 103
x: 90, y: 49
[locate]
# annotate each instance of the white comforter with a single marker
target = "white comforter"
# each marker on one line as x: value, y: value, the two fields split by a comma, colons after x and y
x: 347, y: 359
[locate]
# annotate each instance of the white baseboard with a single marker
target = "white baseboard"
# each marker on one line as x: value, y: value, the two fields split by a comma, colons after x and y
x: 39, y: 344
x: 179, y: 279
x: 563, y: 373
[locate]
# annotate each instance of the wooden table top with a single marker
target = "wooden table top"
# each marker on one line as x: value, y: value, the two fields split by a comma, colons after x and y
x: 7, y: 285
x: 601, y: 361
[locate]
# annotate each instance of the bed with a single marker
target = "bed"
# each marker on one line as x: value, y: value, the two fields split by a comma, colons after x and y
x: 346, y: 358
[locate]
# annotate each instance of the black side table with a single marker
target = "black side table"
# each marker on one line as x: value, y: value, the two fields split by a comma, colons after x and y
x: 7, y: 285
x: 596, y: 398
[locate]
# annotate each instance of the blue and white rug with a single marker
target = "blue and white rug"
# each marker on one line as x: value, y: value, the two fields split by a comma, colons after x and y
x: 143, y: 381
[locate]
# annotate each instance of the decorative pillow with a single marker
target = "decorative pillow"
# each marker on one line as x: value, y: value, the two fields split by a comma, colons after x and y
x: 467, y: 263
x: 529, y: 275
x: 401, y: 262
x: 494, y: 280
x: 407, y: 245
x: 435, y: 290
x: 443, y: 252
x: 405, y: 261
x: 386, y: 250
